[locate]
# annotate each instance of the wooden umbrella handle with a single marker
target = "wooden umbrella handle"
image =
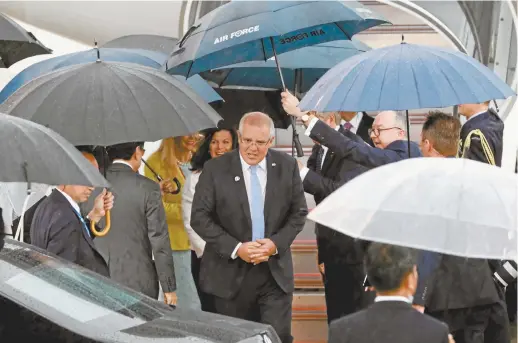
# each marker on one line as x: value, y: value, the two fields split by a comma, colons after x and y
x: 106, y: 228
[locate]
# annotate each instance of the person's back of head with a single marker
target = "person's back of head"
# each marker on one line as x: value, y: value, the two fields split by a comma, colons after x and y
x: 440, y: 135
x: 391, y: 269
x: 130, y: 153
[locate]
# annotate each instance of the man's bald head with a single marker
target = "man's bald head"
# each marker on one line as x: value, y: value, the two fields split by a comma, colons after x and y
x: 388, y: 127
x: 90, y: 157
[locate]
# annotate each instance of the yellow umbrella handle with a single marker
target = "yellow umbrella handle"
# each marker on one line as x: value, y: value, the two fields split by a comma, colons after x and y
x: 106, y: 228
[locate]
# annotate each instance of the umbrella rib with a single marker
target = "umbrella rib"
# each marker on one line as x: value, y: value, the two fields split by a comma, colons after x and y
x: 132, y: 94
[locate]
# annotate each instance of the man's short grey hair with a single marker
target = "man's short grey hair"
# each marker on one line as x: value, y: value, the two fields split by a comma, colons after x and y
x: 326, y: 115
x: 263, y: 119
x: 387, y: 265
x: 400, y: 119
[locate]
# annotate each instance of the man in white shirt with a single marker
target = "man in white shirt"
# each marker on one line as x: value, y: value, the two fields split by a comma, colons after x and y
x: 249, y: 206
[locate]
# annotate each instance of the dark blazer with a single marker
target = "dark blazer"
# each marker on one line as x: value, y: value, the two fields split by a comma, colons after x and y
x: 363, y: 128
x: 57, y: 229
x: 460, y: 283
x: 388, y: 322
x: 487, y: 127
x: 138, y: 232
x: 221, y: 216
x: 335, y: 173
x: 361, y: 153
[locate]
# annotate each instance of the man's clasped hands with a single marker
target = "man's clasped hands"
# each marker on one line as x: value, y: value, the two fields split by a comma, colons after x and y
x: 258, y: 251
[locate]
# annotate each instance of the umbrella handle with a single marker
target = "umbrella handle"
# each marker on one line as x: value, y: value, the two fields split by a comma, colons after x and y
x: 178, y: 186
x: 106, y: 228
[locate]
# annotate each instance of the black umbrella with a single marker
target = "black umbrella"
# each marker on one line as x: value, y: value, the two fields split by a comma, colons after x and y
x: 33, y: 153
x: 16, y: 43
x: 157, y: 43
x: 104, y: 103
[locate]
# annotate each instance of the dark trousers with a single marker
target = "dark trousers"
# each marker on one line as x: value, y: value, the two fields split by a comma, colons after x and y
x: 260, y: 299
x: 206, y: 300
x: 344, y: 289
x: 480, y: 324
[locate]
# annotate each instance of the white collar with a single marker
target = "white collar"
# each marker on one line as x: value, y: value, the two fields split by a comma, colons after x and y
x: 246, y: 166
x: 122, y: 162
x: 476, y: 114
x: 355, y: 122
x: 74, y: 204
x: 393, y: 298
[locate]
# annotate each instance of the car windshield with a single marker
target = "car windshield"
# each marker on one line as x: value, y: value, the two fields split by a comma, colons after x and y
x: 67, y: 292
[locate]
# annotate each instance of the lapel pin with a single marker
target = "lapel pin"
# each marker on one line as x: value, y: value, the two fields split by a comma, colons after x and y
x: 274, y: 164
x: 237, y: 178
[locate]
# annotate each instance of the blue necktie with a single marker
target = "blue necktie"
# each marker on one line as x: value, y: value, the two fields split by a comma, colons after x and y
x: 83, y: 222
x: 257, y: 208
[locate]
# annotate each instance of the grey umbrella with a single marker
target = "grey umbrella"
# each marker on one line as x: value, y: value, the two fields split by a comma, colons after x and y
x: 33, y: 153
x: 16, y: 43
x: 105, y: 103
x: 157, y: 43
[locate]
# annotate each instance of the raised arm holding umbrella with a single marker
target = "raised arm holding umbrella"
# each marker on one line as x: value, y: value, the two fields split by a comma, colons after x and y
x: 242, y: 31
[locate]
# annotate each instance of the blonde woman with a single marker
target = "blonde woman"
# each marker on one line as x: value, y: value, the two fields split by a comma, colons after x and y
x: 172, y: 160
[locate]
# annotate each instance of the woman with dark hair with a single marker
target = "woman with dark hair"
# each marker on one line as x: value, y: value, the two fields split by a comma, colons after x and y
x: 216, y: 143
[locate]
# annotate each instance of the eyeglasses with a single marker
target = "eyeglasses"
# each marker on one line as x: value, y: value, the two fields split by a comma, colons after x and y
x: 248, y: 142
x: 377, y: 131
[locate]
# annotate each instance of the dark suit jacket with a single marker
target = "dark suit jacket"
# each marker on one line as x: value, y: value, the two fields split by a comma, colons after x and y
x: 361, y: 153
x: 57, y: 229
x: 363, y: 128
x: 138, y: 231
x: 388, y: 322
x: 486, y: 126
x: 460, y: 283
x: 333, y: 246
x: 221, y: 216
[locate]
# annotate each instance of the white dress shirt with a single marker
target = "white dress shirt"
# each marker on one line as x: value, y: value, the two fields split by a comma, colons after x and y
x: 393, y: 298
x: 355, y: 122
x: 74, y: 204
x: 262, y: 175
x: 197, y: 243
x: 304, y: 171
x: 122, y: 162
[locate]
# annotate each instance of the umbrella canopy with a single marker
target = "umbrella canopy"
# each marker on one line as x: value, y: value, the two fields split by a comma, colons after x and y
x: 106, y: 103
x: 239, y: 102
x: 310, y: 63
x: 405, y: 77
x: 161, y: 44
x: 142, y: 57
x: 453, y: 206
x: 33, y: 153
x: 242, y: 31
x: 16, y: 43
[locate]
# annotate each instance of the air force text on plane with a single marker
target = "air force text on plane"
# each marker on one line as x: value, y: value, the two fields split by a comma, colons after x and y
x: 237, y: 33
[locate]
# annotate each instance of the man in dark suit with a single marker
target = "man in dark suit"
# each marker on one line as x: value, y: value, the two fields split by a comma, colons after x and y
x: 461, y: 292
x: 358, y: 123
x: 249, y: 206
x: 138, y: 228
x: 391, y: 319
x: 340, y: 257
x: 59, y: 227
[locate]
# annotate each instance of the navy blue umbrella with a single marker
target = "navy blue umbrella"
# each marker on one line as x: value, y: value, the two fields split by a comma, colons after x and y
x: 242, y: 31
x: 305, y: 65
x: 142, y: 57
x: 404, y: 77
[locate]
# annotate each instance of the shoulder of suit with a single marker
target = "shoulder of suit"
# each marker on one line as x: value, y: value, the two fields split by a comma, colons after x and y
x: 147, y: 182
x: 280, y: 156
